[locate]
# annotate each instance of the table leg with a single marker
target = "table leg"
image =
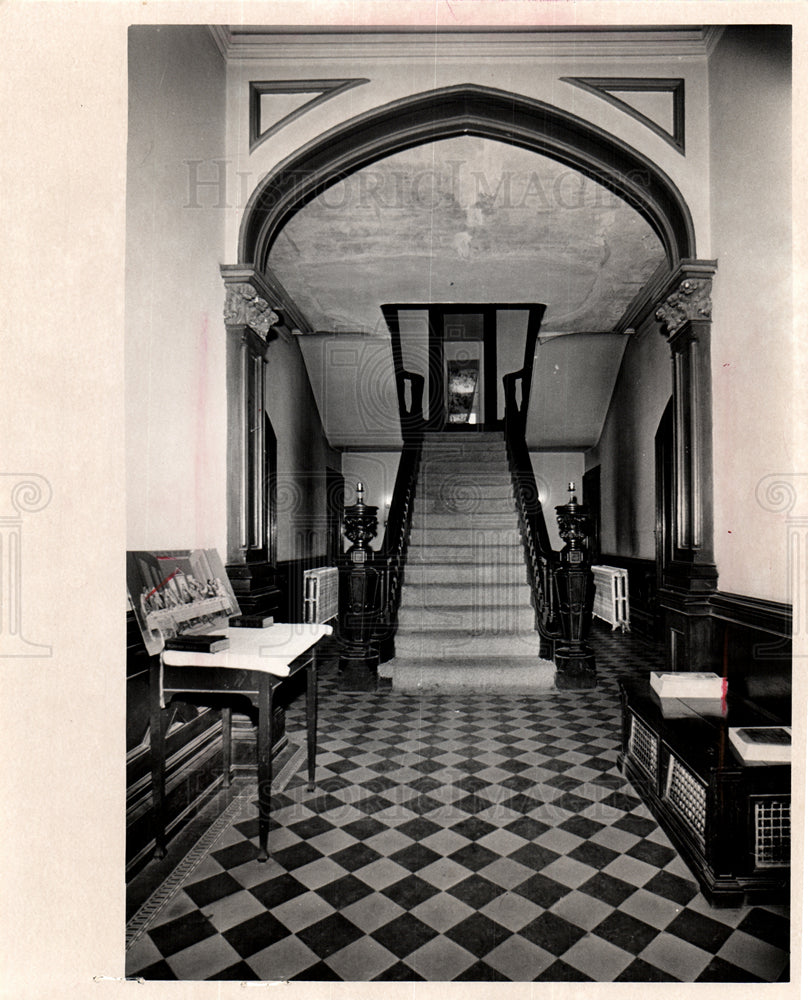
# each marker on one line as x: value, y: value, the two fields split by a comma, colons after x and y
x: 265, y: 741
x: 227, y: 717
x: 311, y: 719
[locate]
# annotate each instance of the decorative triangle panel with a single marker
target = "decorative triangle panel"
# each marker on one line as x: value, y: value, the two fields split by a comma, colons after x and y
x: 275, y: 103
x: 658, y: 103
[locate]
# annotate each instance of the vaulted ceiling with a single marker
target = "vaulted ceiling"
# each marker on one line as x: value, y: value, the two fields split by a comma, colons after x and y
x: 474, y: 220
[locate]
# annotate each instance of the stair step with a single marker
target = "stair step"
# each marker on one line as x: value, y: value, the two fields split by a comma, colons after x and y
x: 456, y: 592
x: 449, y: 644
x: 483, y: 617
x: 448, y: 554
x: 468, y: 520
x: 462, y: 534
x: 437, y: 437
x: 457, y: 573
x: 517, y: 675
x: 449, y: 466
x: 477, y: 488
x: 429, y: 507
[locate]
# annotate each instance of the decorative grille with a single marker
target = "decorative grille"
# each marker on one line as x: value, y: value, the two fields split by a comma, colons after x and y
x: 772, y: 831
x: 687, y: 795
x: 643, y: 746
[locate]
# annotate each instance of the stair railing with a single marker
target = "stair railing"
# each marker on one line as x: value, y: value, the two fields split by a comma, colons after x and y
x: 542, y: 560
x: 393, y: 554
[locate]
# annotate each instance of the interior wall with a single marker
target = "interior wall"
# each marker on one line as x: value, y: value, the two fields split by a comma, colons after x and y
x: 754, y: 347
x: 554, y: 471
x: 625, y: 451
x: 377, y: 472
x: 393, y: 77
x: 303, y: 453
x: 175, y: 337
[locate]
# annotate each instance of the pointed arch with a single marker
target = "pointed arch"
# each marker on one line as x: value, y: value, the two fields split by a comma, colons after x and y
x: 465, y: 110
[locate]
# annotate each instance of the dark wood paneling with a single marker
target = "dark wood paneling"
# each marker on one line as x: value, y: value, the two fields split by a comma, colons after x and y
x: 752, y: 647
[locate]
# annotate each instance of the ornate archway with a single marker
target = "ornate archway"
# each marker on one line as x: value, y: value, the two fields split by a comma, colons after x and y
x: 465, y: 110
x: 680, y: 299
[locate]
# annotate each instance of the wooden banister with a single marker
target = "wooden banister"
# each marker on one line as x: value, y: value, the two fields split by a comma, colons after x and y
x: 540, y: 557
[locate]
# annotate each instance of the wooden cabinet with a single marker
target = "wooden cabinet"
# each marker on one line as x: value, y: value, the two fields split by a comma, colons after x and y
x: 729, y: 820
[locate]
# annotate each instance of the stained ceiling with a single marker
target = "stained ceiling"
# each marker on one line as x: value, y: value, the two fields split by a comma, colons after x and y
x: 473, y: 220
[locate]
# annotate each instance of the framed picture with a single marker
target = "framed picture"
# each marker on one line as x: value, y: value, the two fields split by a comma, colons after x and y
x: 184, y: 591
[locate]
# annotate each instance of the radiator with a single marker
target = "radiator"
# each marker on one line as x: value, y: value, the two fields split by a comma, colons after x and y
x: 320, y: 594
x: 611, y: 596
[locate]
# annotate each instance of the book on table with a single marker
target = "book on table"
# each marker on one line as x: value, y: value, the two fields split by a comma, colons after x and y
x: 762, y: 744
x: 688, y: 684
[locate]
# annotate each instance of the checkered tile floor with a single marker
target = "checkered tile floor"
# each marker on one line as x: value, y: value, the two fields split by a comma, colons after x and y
x: 459, y: 838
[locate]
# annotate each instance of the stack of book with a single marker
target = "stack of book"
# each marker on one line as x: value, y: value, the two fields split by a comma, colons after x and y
x: 688, y: 685
x: 198, y: 643
x: 762, y: 744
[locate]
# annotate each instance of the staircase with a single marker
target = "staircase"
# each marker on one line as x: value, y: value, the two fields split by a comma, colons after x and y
x: 466, y: 621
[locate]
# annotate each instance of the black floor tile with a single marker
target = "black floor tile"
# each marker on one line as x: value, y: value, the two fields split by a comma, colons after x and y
x: 699, y: 930
x: 560, y: 972
x: 552, y: 933
x: 607, y: 888
x: 480, y: 973
x: 344, y: 891
x: 476, y: 891
x: 478, y: 934
x: 410, y: 891
x: 278, y: 890
x: 255, y: 934
x: 404, y: 935
x: 399, y: 973
x: 542, y: 890
x: 626, y: 932
x: 672, y: 887
x: 719, y: 971
x: 768, y: 927
x: 210, y: 889
x: 329, y: 935
x: 641, y: 972
x: 175, y: 935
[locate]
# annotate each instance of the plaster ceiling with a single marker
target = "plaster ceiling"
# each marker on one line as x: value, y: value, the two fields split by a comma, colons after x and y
x: 472, y: 220
x: 465, y: 220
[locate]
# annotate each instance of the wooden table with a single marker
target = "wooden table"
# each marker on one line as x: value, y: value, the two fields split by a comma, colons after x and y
x: 730, y: 820
x: 258, y: 663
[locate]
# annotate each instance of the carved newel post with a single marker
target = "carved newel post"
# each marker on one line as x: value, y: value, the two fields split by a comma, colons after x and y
x: 574, y: 584
x: 359, y: 599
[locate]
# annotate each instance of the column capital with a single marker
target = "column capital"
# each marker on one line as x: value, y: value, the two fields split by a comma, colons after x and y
x: 248, y: 300
x: 686, y: 296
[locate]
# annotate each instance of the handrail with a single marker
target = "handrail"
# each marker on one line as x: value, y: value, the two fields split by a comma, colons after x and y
x: 393, y: 554
x: 542, y: 560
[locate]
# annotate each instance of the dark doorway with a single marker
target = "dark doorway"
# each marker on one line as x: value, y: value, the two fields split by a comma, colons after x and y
x: 591, y: 497
x: 335, y: 502
x: 663, y: 450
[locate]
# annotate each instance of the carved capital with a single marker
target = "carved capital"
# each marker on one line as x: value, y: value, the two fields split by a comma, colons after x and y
x: 690, y: 301
x: 245, y: 307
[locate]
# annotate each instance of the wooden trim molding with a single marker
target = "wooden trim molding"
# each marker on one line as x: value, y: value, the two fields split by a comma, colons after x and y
x: 753, y: 612
x: 605, y: 87
x: 465, y: 110
x: 323, y: 91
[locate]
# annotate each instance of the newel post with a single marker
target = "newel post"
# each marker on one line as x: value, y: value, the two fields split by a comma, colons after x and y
x: 574, y: 585
x: 359, y: 599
